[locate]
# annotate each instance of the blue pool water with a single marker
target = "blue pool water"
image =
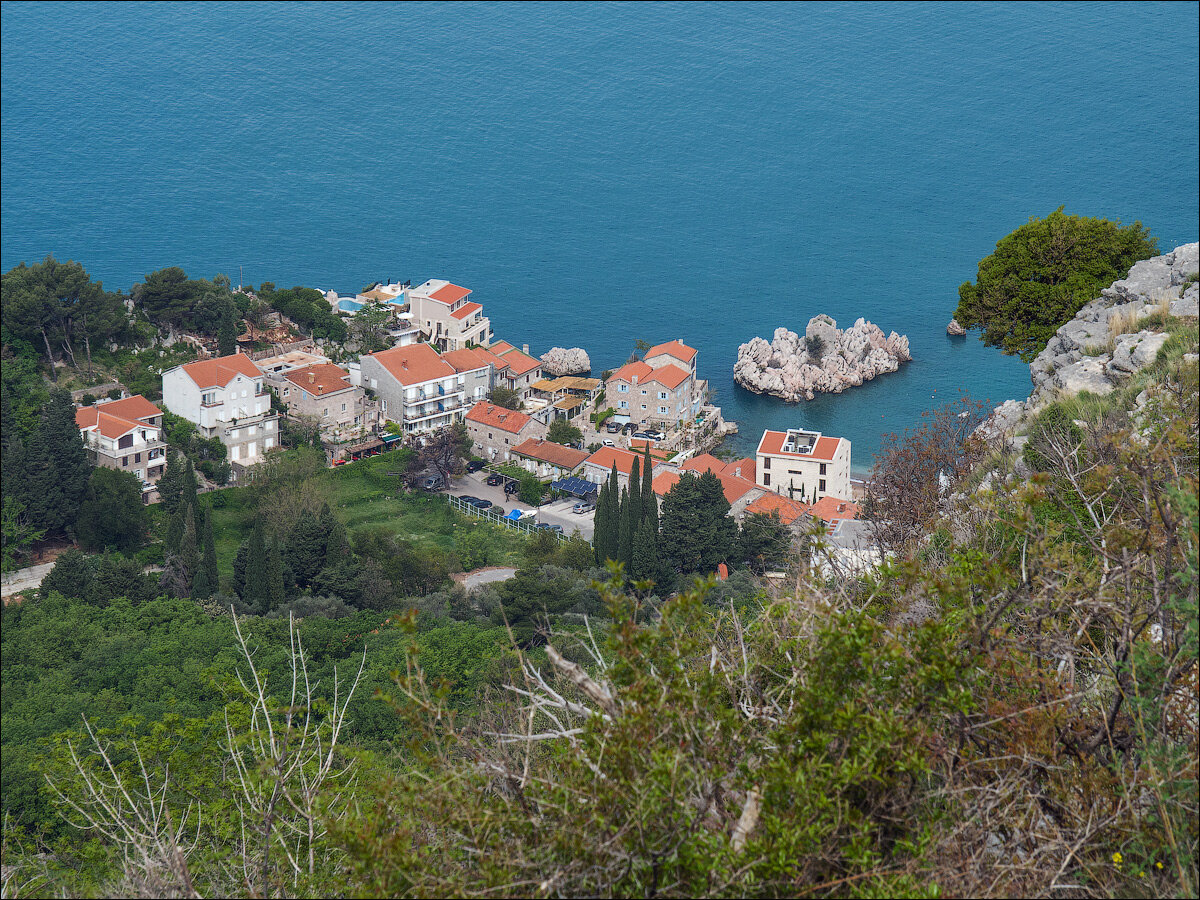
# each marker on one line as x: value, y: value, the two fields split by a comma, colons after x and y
x: 603, y: 173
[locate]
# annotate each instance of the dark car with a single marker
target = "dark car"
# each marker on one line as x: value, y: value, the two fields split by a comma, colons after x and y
x: 613, y: 427
x: 475, y: 465
x: 512, y: 487
x: 480, y: 503
x: 467, y: 498
x: 494, y: 479
x: 628, y: 428
x: 433, y: 483
x: 645, y: 435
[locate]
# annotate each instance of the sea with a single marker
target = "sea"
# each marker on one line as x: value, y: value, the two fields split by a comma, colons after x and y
x: 603, y: 173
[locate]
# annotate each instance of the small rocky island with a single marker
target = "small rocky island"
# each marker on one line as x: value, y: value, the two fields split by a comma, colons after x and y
x: 825, y: 360
x: 566, y: 361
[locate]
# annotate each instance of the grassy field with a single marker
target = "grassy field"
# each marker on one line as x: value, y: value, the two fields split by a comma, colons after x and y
x: 362, y: 495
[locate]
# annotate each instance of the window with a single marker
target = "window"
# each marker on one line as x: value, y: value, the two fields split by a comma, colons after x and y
x: 622, y: 404
x: 137, y: 458
x: 767, y: 464
x: 767, y: 479
x: 623, y: 388
x: 343, y: 407
x: 325, y: 413
x: 125, y: 441
x: 662, y: 409
x: 822, y: 486
x: 208, y: 399
x: 286, y: 391
x: 822, y: 468
x: 662, y: 395
x: 124, y: 461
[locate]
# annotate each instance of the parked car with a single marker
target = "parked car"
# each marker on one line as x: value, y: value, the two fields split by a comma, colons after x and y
x: 475, y: 465
x: 433, y: 483
x: 582, y: 507
x: 628, y: 428
x: 656, y: 435
x: 495, y: 479
x: 645, y: 435
x: 512, y: 487
x: 608, y: 442
x: 480, y: 503
x: 613, y: 427
x: 467, y: 498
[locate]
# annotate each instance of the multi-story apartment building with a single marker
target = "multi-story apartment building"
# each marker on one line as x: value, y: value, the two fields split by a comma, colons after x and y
x: 496, y: 431
x: 476, y: 366
x: 446, y: 317
x: 516, y: 370
x: 226, y: 398
x: 415, y: 387
x: 323, y: 393
x: 804, y: 465
x: 126, y: 435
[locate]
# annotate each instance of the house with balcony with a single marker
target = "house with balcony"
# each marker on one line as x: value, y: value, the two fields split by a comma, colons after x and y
x: 496, y: 431
x: 445, y: 315
x: 126, y: 435
x: 517, y: 371
x: 415, y: 387
x: 659, y: 390
x: 322, y: 393
x: 477, y: 368
x: 804, y: 465
x: 226, y: 398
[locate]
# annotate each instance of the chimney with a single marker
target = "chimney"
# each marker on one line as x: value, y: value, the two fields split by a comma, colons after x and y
x: 312, y: 377
x: 525, y: 349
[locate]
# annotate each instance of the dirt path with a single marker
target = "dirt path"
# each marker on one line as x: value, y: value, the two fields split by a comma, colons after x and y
x: 471, y: 580
x: 24, y: 579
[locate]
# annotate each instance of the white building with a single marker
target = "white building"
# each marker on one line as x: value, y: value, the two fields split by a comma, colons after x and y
x: 415, y: 387
x: 445, y: 316
x: 225, y: 398
x: 804, y: 465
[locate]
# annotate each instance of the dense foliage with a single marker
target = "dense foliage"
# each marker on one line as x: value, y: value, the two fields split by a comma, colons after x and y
x: 1043, y: 273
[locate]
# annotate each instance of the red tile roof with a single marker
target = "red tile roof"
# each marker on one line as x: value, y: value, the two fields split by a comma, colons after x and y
x: 704, y: 463
x: 733, y: 487
x: 743, y: 468
x: 556, y: 454
x: 788, y: 510
x: 606, y: 456
x: 220, y: 371
x: 670, y: 375
x: 135, y: 407
x: 834, y: 510
x: 468, y: 359
x: 485, y: 413
x: 320, y: 379
x: 677, y: 349
x: 627, y: 371
x: 413, y: 363
x: 465, y: 310
x: 772, y: 442
x: 449, y: 294
x: 518, y: 362
x: 91, y: 417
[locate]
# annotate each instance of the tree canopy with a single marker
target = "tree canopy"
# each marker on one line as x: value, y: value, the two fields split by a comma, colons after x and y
x: 1043, y: 273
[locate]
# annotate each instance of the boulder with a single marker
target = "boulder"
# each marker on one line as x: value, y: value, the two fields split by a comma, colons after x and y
x: 786, y: 368
x: 954, y: 329
x: 566, y: 361
x: 1133, y: 352
x: 1086, y: 375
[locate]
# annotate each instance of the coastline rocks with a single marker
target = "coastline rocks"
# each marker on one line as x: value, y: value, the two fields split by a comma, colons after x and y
x: 564, y: 361
x: 825, y: 360
x: 954, y: 329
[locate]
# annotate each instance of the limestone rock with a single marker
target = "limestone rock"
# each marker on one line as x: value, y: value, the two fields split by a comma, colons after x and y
x: 566, y: 361
x: 954, y: 329
x: 1086, y: 375
x: 1133, y: 352
x: 790, y: 368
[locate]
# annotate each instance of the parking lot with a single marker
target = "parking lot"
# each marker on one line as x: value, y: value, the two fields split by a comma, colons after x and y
x: 556, y: 513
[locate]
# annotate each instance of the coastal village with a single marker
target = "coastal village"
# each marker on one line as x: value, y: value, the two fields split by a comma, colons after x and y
x: 446, y: 366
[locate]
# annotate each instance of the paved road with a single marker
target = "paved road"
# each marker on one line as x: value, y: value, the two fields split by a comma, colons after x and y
x: 556, y: 513
x: 24, y: 579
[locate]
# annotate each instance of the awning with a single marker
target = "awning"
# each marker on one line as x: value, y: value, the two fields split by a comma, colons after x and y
x: 392, y: 438
x: 369, y: 444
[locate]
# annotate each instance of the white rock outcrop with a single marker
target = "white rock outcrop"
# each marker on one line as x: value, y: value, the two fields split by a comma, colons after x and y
x: 825, y: 360
x: 954, y: 329
x: 566, y: 361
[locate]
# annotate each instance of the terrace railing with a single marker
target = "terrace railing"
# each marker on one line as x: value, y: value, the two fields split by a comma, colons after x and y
x: 524, y: 525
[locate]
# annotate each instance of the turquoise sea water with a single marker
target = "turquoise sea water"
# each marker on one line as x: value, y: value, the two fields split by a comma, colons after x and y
x: 602, y: 173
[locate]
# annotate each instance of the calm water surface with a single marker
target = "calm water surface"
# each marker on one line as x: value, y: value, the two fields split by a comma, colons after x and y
x: 603, y: 173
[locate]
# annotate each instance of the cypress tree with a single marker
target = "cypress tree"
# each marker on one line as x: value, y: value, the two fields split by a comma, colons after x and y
x: 66, y: 446
x: 188, y: 493
x: 337, y: 546
x: 613, y: 537
x: 202, y: 588
x: 649, y: 501
x: 600, y: 525
x: 209, y: 562
x: 306, y: 549
x: 175, y: 527
x: 626, y: 532
x: 227, y: 333
x: 170, y: 485
x: 635, y: 495
x: 645, y: 553
x: 257, y: 593
x: 189, y: 550
x: 275, y: 592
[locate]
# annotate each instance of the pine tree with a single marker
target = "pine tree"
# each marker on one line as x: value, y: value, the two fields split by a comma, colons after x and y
x: 40, y: 488
x: 66, y: 445
x: 626, y: 532
x: 257, y: 593
x: 208, y: 564
x: 275, y: 592
x: 306, y: 549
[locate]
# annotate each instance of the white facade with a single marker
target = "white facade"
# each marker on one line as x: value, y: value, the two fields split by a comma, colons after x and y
x: 803, y: 465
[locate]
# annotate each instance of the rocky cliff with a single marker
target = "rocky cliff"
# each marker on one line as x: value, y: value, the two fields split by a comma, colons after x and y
x: 1110, y: 339
x: 825, y: 360
x: 565, y: 361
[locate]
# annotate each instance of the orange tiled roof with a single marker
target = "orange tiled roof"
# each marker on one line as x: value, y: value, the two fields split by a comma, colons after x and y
x: 135, y: 407
x: 519, y: 362
x: 677, y: 349
x: 606, y: 456
x: 465, y: 310
x: 556, y: 454
x: 467, y: 359
x: 772, y: 442
x: 789, y: 510
x: 413, y: 363
x: 320, y: 379
x: 733, y: 487
x: 91, y: 417
x: 704, y: 463
x: 220, y: 371
x: 743, y: 468
x: 485, y: 413
x: 449, y: 294
x: 627, y: 371
x: 669, y: 375
x: 833, y: 510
